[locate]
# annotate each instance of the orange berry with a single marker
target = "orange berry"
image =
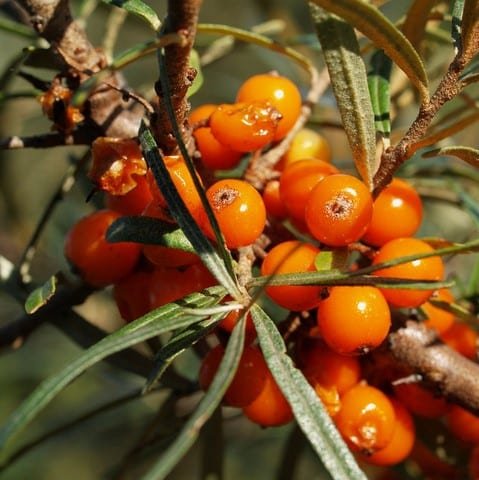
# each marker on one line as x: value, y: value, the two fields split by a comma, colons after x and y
x: 420, y: 401
x: 230, y: 321
x: 245, y: 127
x: 170, y: 284
x: 461, y: 338
x: 99, y: 262
x: 239, y: 210
x: 133, y: 202
x: 438, y: 318
x: 298, y: 180
x: 366, y: 419
x: 402, y: 442
x: 249, y: 380
x: 162, y: 256
x: 354, y: 320
x: 183, y: 182
x: 273, y: 202
x: 322, y: 365
x: 214, y: 155
x: 397, y: 212
x: 339, y: 210
x: 306, y: 144
x: 430, y: 268
x: 291, y: 257
x: 281, y: 92
x: 463, y: 424
x: 131, y: 295
x: 270, y: 408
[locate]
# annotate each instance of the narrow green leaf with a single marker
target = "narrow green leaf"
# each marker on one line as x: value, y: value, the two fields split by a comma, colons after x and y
x: 181, y: 214
x: 456, y: 309
x: 348, y: 78
x: 310, y: 414
x: 198, y: 81
x: 378, y: 85
x: 149, y: 231
x: 457, y: 10
x: 41, y: 295
x: 140, y: 9
x: 161, y: 320
x: 176, y: 345
x: 467, y: 154
x: 371, y: 22
x: 16, y: 28
x: 206, y: 407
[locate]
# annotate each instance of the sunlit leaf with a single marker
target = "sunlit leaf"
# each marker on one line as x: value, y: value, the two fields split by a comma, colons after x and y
x: 457, y: 11
x: 41, y: 295
x: 349, y: 82
x: 161, y: 320
x: 140, y: 9
x: 189, y: 433
x: 148, y: 230
x: 198, y: 81
x: 371, y: 22
x: 310, y: 414
x: 378, y: 84
x: 467, y: 154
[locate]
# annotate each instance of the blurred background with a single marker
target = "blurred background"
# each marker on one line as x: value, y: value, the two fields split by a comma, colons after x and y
x: 28, y: 179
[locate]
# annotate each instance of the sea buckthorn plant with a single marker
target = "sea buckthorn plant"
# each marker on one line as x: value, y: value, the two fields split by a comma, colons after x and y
x: 260, y: 235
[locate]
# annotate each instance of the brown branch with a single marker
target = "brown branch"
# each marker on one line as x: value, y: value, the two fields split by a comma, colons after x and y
x: 48, y: 140
x: 182, y: 19
x: 441, y: 368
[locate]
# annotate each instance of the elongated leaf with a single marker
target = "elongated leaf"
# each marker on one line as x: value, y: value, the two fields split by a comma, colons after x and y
x: 181, y: 214
x: 140, y: 9
x: 457, y: 11
x: 205, y: 409
x: 470, y: 29
x: 150, y: 231
x: 17, y: 28
x: 161, y: 320
x: 378, y: 84
x: 310, y: 414
x: 371, y: 22
x: 416, y: 20
x: 41, y: 295
x: 348, y: 78
x: 198, y: 81
x: 469, y: 155
x: 177, y: 345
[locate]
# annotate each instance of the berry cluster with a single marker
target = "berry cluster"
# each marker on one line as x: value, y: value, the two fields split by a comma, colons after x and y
x: 334, y: 212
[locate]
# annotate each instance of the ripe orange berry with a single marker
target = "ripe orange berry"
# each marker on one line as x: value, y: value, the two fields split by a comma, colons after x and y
x: 281, y: 92
x: 133, y: 202
x: 245, y: 127
x: 397, y: 212
x: 463, y: 424
x: 162, y: 256
x: 291, y: 257
x: 400, y: 446
x: 354, y: 320
x: 99, y: 262
x: 270, y: 408
x: 366, y: 419
x: 339, y: 210
x: 214, y: 155
x: 273, y: 202
x: 420, y: 401
x: 239, y: 210
x: 183, y: 182
x: 249, y: 380
x: 170, y: 284
x: 437, y: 318
x: 131, y: 295
x: 230, y: 321
x: 306, y: 144
x: 462, y: 338
x: 322, y: 365
x: 431, y: 268
x: 298, y: 180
